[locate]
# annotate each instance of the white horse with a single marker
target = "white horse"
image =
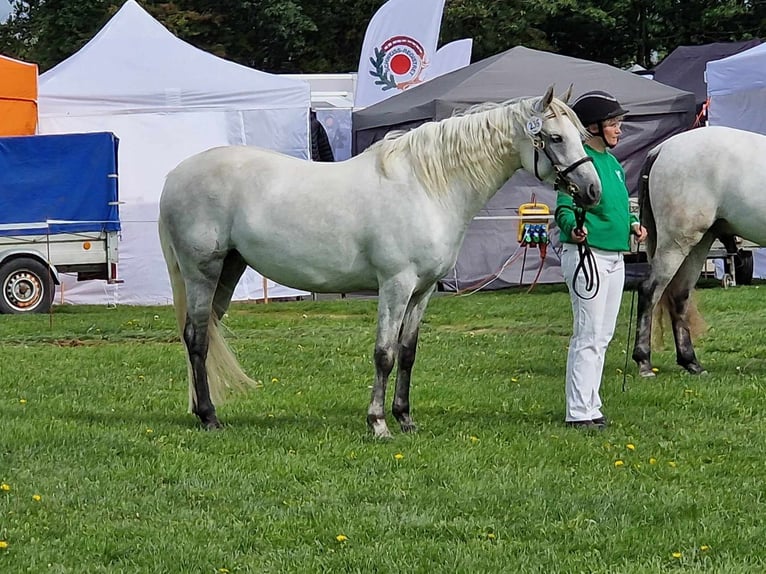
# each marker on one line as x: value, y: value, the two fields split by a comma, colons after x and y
x: 392, y: 219
x: 697, y: 186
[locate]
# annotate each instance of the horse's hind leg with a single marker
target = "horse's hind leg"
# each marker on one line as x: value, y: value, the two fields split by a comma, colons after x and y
x: 678, y: 293
x: 201, y: 284
x: 663, y: 268
x: 408, y: 342
x: 233, y: 268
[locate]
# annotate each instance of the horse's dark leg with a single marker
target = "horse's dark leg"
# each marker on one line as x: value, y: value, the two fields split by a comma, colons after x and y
x: 679, y: 291
x: 664, y: 266
x: 393, y: 296
x: 196, y: 338
x: 642, y: 349
x: 685, y: 356
x: 201, y: 284
x: 408, y: 343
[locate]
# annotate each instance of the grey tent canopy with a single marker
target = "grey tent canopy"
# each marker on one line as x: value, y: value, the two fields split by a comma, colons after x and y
x: 684, y: 67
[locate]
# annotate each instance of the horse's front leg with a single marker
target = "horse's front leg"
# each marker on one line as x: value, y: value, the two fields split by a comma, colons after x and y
x: 196, y: 338
x: 392, y: 304
x: 408, y: 343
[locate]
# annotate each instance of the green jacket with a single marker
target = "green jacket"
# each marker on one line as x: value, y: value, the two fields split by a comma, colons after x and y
x: 608, y: 223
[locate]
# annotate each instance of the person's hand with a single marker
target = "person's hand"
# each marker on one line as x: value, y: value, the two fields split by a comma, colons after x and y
x: 579, y: 235
x: 639, y: 231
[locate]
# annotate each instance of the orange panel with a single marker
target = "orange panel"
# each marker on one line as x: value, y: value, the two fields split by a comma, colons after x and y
x: 18, y: 118
x: 18, y: 97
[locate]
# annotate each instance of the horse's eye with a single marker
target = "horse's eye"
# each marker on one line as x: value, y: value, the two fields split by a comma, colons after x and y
x: 556, y: 138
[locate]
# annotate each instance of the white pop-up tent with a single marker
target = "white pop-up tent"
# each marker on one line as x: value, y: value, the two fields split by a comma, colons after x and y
x: 736, y: 87
x: 165, y: 100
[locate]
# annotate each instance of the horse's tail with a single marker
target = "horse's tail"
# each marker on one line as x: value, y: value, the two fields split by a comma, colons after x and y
x: 223, y: 369
x: 645, y: 203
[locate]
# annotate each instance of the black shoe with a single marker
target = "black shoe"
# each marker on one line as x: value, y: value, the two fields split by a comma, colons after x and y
x: 601, y: 421
x: 584, y: 425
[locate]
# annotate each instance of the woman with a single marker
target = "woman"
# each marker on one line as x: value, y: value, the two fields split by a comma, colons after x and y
x: 606, y: 228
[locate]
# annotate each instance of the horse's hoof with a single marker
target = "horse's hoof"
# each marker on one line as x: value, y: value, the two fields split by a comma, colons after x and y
x: 646, y: 372
x: 379, y: 429
x: 409, y: 426
x: 211, y: 424
x: 695, y: 369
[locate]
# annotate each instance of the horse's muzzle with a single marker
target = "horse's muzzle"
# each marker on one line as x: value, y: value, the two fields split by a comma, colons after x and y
x: 592, y: 195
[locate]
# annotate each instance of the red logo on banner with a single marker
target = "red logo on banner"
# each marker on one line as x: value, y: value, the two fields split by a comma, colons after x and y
x: 398, y: 63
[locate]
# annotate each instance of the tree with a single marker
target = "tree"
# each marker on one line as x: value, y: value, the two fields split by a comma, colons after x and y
x: 309, y: 36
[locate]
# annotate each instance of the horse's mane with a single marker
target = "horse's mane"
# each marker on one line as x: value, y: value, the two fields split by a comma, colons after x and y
x: 470, y: 146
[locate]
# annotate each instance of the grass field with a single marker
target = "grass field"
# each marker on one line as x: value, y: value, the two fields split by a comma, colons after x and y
x: 102, y: 469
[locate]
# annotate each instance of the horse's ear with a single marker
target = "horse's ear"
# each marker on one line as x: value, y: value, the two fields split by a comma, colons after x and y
x: 566, y: 95
x: 543, y: 103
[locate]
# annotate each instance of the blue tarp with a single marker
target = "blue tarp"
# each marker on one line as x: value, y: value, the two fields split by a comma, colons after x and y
x: 67, y: 181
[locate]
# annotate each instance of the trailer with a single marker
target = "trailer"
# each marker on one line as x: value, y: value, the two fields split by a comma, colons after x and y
x: 59, y: 213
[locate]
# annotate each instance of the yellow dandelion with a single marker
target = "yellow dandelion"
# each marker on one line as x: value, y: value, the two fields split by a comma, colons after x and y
x: 341, y: 538
x: 630, y: 446
x: 677, y: 555
x: 652, y: 460
x: 618, y: 463
x: 23, y: 401
x: 398, y: 456
x: 223, y: 570
x: 514, y: 380
x: 490, y: 536
x: 3, y: 545
x: 149, y: 431
x: 672, y: 464
x: 37, y: 497
x: 655, y: 370
x: 704, y: 547
x: 474, y: 439
x: 5, y: 487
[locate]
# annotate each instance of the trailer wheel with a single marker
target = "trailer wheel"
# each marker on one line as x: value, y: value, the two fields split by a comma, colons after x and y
x: 27, y: 287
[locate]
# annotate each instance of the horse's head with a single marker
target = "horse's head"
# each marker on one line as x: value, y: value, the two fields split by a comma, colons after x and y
x: 553, y: 149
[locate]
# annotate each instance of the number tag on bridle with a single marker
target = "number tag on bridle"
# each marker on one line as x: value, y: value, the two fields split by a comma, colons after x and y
x: 534, y: 125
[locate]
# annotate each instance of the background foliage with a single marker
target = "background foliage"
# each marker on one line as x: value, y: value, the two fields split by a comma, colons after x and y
x: 306, y: 36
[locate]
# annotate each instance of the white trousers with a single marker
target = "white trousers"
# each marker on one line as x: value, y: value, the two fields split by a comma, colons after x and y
x: 593, y: 327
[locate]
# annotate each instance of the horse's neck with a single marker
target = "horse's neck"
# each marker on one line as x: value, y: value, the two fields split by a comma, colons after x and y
x: 481, y: 163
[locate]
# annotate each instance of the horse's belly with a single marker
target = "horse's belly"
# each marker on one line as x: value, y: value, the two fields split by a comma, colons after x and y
x: 318, y: 270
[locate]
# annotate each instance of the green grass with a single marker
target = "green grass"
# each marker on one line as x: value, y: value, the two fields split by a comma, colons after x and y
x: 93, y: 421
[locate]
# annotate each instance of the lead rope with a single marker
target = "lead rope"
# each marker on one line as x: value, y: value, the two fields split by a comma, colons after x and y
x: 627, y: 344
x: 586, y: 264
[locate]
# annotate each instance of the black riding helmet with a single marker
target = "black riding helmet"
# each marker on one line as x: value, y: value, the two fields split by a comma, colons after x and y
x: 596, y: 107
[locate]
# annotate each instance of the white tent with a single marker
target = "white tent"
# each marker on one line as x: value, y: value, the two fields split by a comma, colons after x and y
x: 736, y: 87
x: 165, y: 100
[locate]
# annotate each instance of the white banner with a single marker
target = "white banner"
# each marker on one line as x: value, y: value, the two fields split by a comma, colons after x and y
x: 398, y: 47
x: 449, y: 58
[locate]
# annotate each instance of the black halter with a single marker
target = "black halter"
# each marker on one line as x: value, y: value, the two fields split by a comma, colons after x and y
x: 562, y: 182
x: 587, y: 261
